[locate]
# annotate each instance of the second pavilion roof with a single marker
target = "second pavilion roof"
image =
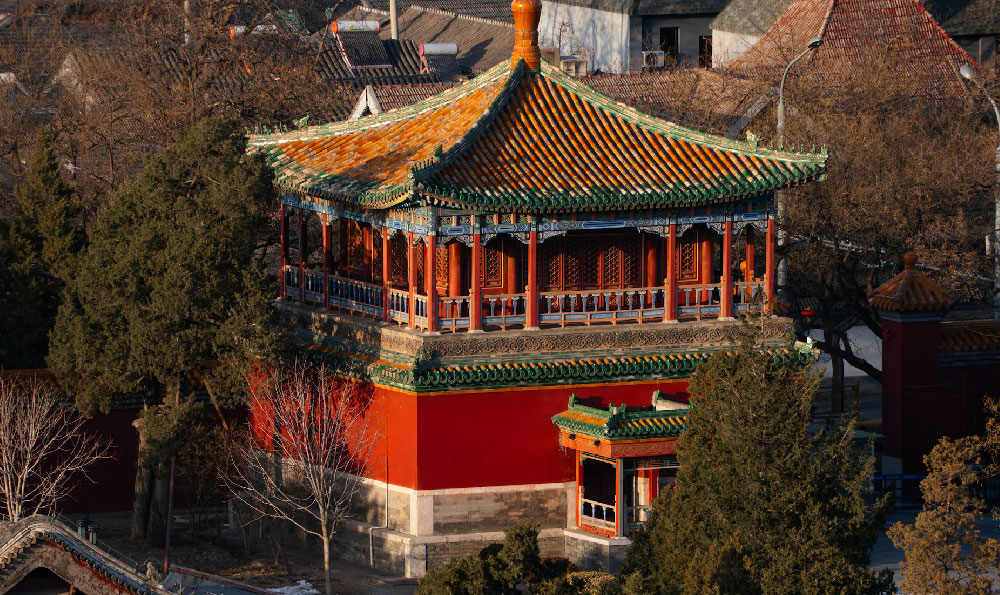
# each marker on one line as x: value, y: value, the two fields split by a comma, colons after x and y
x: 522, y: 140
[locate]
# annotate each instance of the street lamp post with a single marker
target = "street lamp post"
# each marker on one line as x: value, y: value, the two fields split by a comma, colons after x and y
x: 779, y: 195
x: 968, y: 73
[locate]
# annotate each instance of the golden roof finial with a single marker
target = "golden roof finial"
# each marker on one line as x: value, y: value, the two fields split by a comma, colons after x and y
x: 527, y: 14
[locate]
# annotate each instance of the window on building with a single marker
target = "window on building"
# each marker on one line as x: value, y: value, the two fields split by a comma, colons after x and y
x: 591, y: 262
x: 399, y: 265
x: 705, y: 51
x: 492, y: 267
x: 669, y: 39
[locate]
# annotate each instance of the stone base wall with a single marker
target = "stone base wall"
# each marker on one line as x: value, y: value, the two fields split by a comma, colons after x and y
x: 412, y: 556
x: 595, y: 552
x: 369, y: 505
x: 496, y: 509
x: 428, y: 528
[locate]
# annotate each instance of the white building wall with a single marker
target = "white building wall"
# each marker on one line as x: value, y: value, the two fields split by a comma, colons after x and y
x: 727, y: 47
x: 689, y: 30
x: 585, y: 30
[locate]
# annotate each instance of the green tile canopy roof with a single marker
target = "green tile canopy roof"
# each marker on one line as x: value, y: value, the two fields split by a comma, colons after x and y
x: 618, y: 422
x: 526, y: 141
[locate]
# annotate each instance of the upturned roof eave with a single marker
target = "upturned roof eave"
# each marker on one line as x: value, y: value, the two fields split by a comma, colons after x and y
x: 791, y: 168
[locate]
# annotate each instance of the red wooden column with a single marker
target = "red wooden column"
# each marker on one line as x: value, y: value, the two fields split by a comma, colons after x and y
x: 476, y: 307
x: 670, y: 300
x: 705, y: 267
x: 651, y: 267
x: 454, y: 309
x: 726, y: 300
x: 368, y: 241
x: 411, y: 269
x: 748, y: 273
x: 454, y: 269
x: 620, y: 524
x: 769, y: 260
x: 386, y: 271
x: 430, y: 282
x: 302, y: 256
x: 284, y: 247
x: 579, y: 486
x: 531, y: 299
x: 342, y: 242
x: 327, y: 242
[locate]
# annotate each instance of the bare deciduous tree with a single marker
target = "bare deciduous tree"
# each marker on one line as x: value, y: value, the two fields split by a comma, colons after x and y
x: 946, y: 552
x: 44, y: 447
x: 304, y: 463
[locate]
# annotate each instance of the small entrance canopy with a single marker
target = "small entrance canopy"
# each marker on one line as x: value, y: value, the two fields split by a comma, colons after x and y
x: 623, y: 459
x: 618, y: 432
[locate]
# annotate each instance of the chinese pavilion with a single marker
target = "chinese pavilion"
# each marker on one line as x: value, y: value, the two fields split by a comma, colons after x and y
x: 491, y: 250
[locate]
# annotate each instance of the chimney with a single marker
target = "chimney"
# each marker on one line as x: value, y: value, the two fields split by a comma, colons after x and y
x: 527, y: 13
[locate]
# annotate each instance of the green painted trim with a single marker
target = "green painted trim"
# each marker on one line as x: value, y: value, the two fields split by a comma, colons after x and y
x: 616, y: 421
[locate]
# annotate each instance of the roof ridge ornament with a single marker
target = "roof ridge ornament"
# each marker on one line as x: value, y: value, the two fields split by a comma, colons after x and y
x: 911, y: 291
x: 527, y: 14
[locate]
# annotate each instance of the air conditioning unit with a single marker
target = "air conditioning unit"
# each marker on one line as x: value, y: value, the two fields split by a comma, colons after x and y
x: 653, y: 59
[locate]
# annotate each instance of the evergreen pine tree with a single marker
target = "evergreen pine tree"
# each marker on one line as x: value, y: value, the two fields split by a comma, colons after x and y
x: 762, y: 504
x: 38, y: 248
x: 171, y: 279
x: 47, y: 228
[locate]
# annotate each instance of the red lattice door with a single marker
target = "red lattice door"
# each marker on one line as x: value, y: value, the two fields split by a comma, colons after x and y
x: 399, y: 264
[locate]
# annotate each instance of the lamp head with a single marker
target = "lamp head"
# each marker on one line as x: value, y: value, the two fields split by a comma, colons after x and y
x: 967, y: 72
x: 815, y: 42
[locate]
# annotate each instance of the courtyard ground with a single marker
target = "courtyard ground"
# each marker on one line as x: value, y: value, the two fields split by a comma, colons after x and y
x: 227, y: 557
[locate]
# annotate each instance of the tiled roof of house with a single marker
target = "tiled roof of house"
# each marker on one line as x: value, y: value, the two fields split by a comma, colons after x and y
x: 651, y: 7
x: 481, y: 42
x: 497, y: 10
x: 979, y: 335
x: 965, y: 17
x: 700, y: 98
x: 397, y: 96
x: 402, y: 56
x: 911, y: 291
x: 749, y: 17
x: 40, y: 46
x: 620, y: 422
x: 857, y: 31
x: 529, y: 141
x: 362, y: 49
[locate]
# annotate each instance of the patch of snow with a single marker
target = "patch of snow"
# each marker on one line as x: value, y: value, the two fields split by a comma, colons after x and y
x: 303, y: 588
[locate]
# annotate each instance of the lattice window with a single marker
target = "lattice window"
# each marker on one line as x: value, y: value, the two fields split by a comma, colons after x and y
x: 420, y: 253
x: 492, y: 269
x: 377, y: 256
x: 590, y: 258
x: 630, y: 246
x: 571, y: 263
x: 612, y: 259
x: 550, y: 275
x: 687, y: 257
x: 441, y: 266
x: 399, y: 265
x: 355, y: 245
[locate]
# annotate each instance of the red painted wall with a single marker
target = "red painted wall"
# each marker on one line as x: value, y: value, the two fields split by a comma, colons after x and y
x: 113, y: 480
x: 397, y: 420
x: 485, y: 438
x: 923, y: 401
x: 474, y: 439
x: 910, y: 358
